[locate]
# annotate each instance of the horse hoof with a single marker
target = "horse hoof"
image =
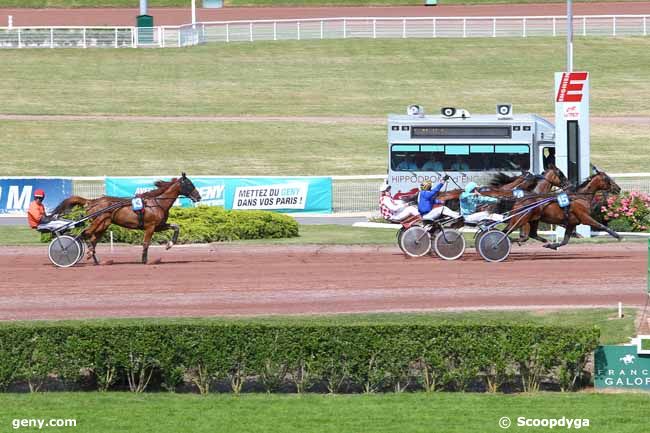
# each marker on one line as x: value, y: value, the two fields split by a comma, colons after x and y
x: 169, y: 245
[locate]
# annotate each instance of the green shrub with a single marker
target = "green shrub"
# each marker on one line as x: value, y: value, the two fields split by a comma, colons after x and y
x: 207, y: 224
x: 366, y: 358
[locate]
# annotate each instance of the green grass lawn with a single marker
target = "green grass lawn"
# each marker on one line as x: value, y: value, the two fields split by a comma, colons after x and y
x: 316, y: 78
x: 440, y: 412
x: 232, y: 148
x: 313, y: 78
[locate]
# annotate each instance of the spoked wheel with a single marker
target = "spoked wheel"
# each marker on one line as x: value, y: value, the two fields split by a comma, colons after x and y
x: 400, y: 232
x: 64, y: 251
x: 449, y: 244
x: 494, y: 246
x: 416, y: 241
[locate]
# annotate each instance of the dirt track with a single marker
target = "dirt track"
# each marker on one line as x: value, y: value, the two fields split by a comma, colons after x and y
x: 226, y: 280
x: 177, y: 16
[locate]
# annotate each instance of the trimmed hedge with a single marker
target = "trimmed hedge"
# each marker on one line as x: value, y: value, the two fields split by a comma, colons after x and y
x: 208, y: 224
x: 298, y: 358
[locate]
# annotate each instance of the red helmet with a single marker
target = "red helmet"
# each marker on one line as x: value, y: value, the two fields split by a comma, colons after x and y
x: 39, y: 193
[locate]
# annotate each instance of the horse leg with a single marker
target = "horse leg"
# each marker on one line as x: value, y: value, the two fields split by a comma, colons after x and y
x: 588, y: 220
x: 174, y: 239
x: 567, y: 235
x: 98, y: 231
x: 533, y: 232
x: 148, y: 233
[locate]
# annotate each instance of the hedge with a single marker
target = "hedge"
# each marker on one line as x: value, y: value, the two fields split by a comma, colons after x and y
x: 297, y: 358
x: 208, y: 224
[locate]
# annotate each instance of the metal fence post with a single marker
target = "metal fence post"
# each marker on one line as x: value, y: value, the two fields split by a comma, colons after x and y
x: 20, y: 39
x: 298, y: 29
x: 584, y: 26
x: 614, y: 26
x: 523, y: 28
x: 161, y: 40
x: 464, y: 27
x: 84, y: 38
x: 51, y: 38
x: 250, y: 31
x: 434, y: 27
x: 374, y: 29
x: 227, y: 32
x: 345, y: 28
x: 115, y: 37
x: 645, y: 32
x: 321, y: 29
x: 494, y: 27
x: 180, y: 42
x: 275, y: 30
x: 403, y: 28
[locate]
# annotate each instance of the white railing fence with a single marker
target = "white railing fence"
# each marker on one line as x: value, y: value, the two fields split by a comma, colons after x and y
x: 320, y: 28
x: 352, y: 194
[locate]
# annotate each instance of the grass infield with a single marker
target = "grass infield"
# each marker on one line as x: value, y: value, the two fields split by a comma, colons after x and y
x: 406, y: 413
x: 349, y: 79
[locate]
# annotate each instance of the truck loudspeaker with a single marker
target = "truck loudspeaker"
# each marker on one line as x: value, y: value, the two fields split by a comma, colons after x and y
x: 504, y: 110
x: 448, y: 111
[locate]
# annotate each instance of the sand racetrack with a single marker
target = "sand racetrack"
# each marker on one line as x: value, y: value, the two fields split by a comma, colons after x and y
x: 223, y: 279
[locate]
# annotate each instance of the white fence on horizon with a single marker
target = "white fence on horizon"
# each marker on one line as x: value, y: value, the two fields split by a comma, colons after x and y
x: 320, y: 28
x: 358, y: 194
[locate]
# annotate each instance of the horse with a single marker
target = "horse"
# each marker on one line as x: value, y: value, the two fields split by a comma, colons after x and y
x: 153, y: 216
x: 500, y: 185
x: 578, y: 211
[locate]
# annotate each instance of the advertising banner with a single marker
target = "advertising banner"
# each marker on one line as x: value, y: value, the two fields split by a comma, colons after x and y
x: 282, y: 194
x: 622, y: 367
x: 17, y: 193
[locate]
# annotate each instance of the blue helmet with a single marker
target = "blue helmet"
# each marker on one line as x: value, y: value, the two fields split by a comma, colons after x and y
x: 470, y: 187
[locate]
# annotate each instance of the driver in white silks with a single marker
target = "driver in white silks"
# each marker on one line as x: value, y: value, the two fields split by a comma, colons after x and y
x: 394, y: 210
x: 471, y: 198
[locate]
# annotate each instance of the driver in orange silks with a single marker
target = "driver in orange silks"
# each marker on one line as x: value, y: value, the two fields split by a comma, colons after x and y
x: 38, y: 219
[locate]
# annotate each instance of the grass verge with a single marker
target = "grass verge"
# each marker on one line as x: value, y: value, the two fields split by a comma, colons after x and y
x: 448, y: 412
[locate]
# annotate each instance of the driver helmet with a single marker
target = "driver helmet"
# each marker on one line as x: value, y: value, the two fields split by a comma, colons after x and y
x: 470, y: 187
x: 384, y: 187
x: 39, y: 193
x: 426, y: 185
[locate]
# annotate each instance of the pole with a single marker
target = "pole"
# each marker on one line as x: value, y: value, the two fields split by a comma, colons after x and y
x: 569, y: 36
x: 10, y: 22
x: 143, y: 7
x: 193, y: 13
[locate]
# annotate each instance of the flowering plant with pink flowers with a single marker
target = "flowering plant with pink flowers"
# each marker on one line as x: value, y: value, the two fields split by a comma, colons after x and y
x: 629, y: 210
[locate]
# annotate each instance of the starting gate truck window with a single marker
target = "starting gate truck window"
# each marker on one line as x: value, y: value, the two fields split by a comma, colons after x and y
x: 460, y: 157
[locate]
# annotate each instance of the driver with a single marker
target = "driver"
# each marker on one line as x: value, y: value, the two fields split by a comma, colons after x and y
x: 429, y: 206
x: 38, y: 219
x: 394, y: 210
x: 471, y: 198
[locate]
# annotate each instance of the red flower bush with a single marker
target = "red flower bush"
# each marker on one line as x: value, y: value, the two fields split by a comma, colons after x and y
x: 629, y: 211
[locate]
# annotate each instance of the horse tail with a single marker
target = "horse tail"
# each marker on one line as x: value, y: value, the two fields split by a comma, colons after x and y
x: 69, y: 203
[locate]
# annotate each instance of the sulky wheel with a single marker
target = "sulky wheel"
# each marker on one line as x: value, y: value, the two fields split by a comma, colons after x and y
x: 400, y: 232
x: 416, y: 241
x: 64, y: 251
x: 449, y: 244
x: 494, y: 246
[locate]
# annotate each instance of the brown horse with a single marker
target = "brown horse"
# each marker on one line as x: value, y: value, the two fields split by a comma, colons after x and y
x: 118, y: 211
x: 578, y: 211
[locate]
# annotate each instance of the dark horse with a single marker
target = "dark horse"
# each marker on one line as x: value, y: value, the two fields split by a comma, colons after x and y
x: 578, y: 211
x: 154, y: 214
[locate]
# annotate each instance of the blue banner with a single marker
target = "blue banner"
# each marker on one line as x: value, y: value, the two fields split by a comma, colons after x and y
x: 282, y: 194
x: 16, y: 194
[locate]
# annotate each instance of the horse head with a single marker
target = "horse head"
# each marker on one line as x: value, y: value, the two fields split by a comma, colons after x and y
x: 188, y: 189
x: 555, y: 177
